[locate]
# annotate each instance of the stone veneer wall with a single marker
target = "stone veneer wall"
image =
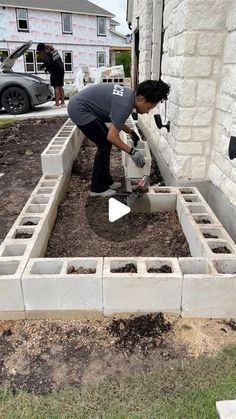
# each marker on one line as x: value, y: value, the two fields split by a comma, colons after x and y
x: 199, y: 62
x: 222, y: 171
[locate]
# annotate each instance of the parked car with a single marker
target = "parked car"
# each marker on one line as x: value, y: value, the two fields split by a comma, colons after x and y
x: 19, y: 92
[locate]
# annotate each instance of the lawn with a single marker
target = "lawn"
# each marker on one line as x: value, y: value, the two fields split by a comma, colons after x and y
x: 184, y: 390
x: 7, y: 121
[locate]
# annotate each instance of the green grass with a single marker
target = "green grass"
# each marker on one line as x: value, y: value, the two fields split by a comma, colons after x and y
x: 7, y: 121
x: 180, y: 390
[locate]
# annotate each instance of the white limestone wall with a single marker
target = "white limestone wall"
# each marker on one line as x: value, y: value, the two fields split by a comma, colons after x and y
x: 199, y: 63
x: 222, y: 171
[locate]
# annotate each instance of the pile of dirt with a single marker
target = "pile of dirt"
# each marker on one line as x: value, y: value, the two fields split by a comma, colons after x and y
x: 144, y: 332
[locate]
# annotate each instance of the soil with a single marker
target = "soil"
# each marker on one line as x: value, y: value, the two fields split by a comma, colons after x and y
x: 83, y: 221
x: 128, y: 268
x: 221, y: 249
x: 20, y: 148
x: 162, y: 269
x: 209, y: 236
x: 204, y: 221
x: 81, y: 270
x: 23, y: 235
x: 40, y: 356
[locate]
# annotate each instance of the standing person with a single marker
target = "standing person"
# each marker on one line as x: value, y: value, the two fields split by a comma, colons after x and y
x: 53, y: 64
x: 92, y: 107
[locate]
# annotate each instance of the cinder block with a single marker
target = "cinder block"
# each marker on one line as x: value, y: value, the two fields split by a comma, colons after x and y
x: 207, y: 293
x: 11, y: 298
x: 47, y: 285
x: 226, y: 409
x: 153, y: 201
x: 141, y: 292
x: 58, y: 160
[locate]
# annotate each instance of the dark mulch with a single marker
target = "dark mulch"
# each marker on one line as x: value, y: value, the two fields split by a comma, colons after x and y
x: 82, y: 228
x: 20, y: 147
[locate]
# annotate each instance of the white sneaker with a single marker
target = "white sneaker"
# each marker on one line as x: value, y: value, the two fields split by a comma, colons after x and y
x: 115, y: 185
x: 63, y: 105
x: 56, y: 106
x: 108, y: 192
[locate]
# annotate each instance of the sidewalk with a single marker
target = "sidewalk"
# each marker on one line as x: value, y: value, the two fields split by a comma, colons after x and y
x: 41, y: 111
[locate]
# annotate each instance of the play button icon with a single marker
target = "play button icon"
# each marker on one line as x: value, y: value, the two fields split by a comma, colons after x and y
x: 117, y: 210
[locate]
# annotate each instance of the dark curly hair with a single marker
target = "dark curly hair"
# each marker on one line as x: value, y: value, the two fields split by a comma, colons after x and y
x: 153, y: 91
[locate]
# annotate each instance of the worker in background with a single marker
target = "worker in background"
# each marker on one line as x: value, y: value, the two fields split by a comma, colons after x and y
x: 91, y: 108
x: 53, y: 64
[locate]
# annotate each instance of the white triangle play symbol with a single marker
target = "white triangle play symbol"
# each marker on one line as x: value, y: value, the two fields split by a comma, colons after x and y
x: 117, y: 210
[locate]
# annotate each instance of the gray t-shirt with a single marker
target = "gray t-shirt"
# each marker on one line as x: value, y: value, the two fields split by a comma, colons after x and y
x: 107, y: 102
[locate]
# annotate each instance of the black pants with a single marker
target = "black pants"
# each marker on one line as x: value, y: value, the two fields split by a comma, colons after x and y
x: 97, y: 131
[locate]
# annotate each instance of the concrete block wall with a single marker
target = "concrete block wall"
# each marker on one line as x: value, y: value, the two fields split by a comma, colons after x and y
x: 222, y: 171
x: 209, y: 287
x: 48, y: 285
x: 58, y: 157
x: 141, y: 291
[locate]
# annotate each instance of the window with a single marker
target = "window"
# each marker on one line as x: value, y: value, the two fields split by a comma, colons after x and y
x: 38, y: 65
x: 30, y: 60
x: 101, y: 59
x: 22, y: 20
x: 68, y: 62
x: 3, y: 54
x: 101, y: 26
x: 66, y: 23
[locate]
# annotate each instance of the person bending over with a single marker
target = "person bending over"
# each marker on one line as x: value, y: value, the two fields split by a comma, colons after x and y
x: 94, y: 106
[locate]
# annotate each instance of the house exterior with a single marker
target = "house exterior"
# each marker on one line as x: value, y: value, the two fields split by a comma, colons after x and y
x: 82, y: 32
x: 191, y: 44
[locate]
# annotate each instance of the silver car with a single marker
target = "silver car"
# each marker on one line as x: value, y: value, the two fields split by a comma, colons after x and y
x: 19, y: 92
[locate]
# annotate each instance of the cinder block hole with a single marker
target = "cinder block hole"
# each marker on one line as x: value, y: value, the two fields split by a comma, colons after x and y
x: 35, y: 209
x: 226, y: 266
x: 194, y: 266
x: 81, y: 267
x: 8, y: 268
x: 23, y: 233
x: 211, y: 233
x: 56, y: 148
x: 160, y: 190
x: 50, y: 177
x: 186, y: 191
x: 159, y: 266
x: 47, y: 184
x: 203, y: 219
x: 29, y: 221
x: 221, y: 247
x: 191, y: 198
x: 40, y: 200
x: 57, y: 142
x: 197, y: 209
x: 53, y: 152
x: 14, y: 250
x: 44, y: 191
x: 61, y: 135
x: 46, y: 267
x: 123, y: 266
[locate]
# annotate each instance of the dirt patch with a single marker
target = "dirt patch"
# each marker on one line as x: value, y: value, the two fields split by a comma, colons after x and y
x: 81, y: 270
x: 20, y: 148
x: 83, y: 223
x: 129, y: 268
x: 40, y: 356
x: 221, y: 249
x: 163, y: 269
x: 209, y: 236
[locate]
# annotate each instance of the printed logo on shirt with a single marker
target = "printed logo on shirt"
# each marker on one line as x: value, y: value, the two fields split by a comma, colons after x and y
x: 118, y: 90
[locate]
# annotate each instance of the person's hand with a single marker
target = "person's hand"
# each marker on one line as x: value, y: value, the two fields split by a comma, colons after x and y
x: 137, y: 158
x: 134, y: 137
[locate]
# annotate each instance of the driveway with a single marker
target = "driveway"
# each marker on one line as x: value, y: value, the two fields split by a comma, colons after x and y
x: 41, y: 111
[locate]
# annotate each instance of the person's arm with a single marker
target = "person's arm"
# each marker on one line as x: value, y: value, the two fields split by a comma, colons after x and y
x: 114, y: 138
x: 126, y: 129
